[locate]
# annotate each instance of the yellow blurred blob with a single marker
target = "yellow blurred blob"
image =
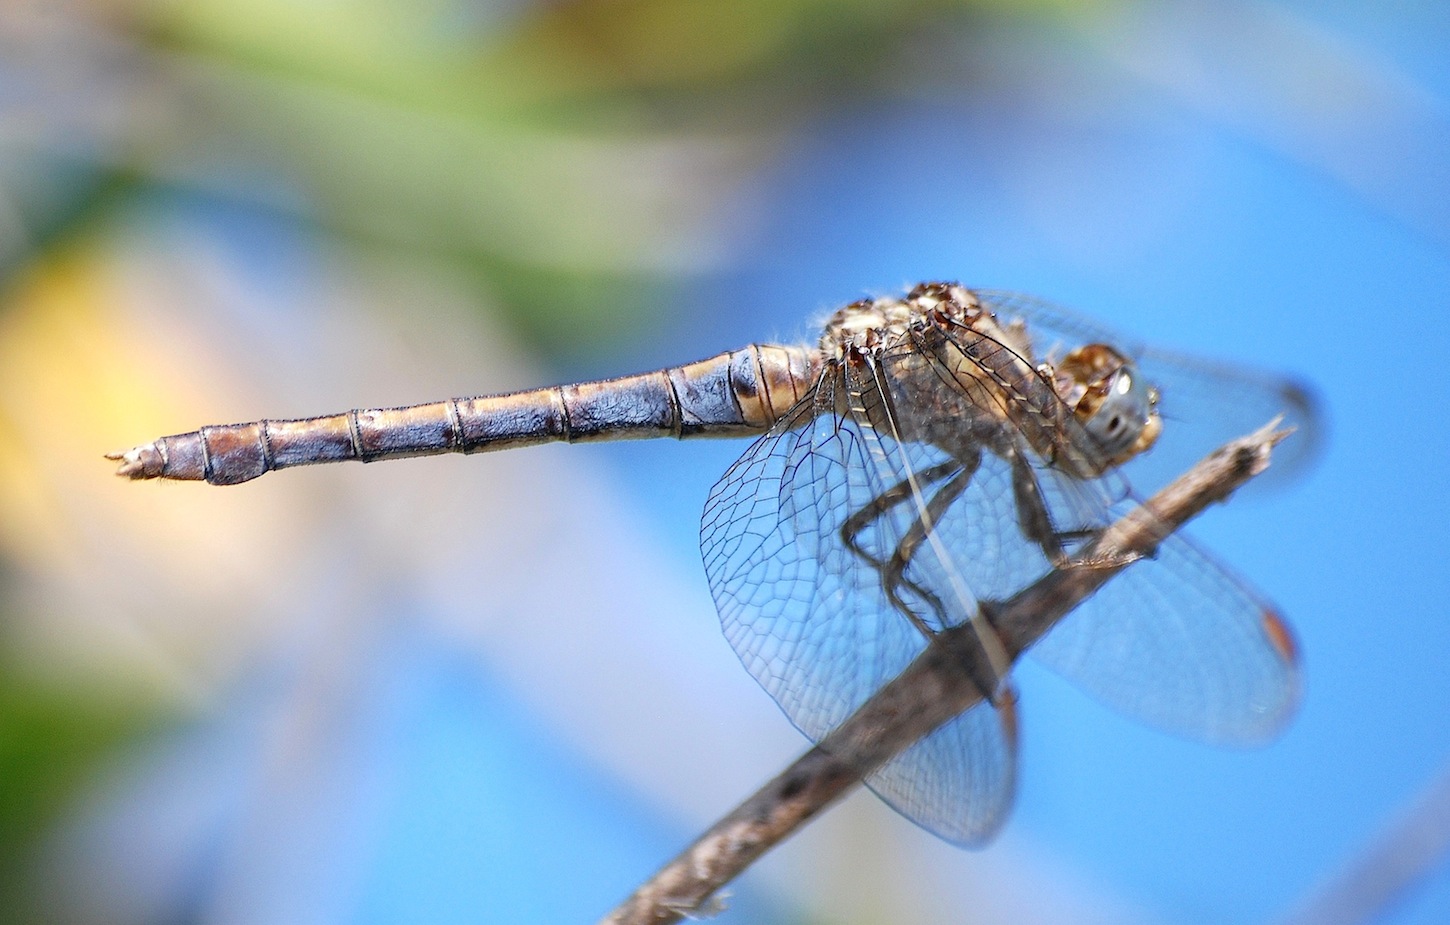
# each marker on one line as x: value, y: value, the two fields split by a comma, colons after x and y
x: 163, y: 580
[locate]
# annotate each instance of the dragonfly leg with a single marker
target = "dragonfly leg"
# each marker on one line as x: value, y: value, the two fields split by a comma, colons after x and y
x: 884, y: 502
x: 893, y: 572
x: 1035, y: 522
x: 869, y: 514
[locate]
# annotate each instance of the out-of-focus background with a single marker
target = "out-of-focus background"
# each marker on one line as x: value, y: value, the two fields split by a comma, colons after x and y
x: 493, y: 688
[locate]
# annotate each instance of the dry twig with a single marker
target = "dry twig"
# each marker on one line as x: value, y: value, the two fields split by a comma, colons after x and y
x: 934, y: 688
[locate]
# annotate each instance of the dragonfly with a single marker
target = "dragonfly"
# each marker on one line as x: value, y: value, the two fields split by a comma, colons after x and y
x: 930, y: 456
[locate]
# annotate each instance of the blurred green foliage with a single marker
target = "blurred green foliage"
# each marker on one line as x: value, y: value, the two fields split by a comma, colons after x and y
x: 52, y: 741
x: 567, y: 155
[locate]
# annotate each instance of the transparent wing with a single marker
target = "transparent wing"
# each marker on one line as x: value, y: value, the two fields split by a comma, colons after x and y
x: 1204, y: 403
x: 807, y: 619
x: 808, y: 614
x: 1178, y: 642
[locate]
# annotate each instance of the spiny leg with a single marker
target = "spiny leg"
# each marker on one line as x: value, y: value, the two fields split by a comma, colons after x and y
x: 884, y: 502
x: 893, y: 574
x: 875, y: 510
x: 1035, y: 521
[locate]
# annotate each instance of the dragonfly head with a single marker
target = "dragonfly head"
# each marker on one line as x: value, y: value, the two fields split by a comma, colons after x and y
x: 1114, y: 404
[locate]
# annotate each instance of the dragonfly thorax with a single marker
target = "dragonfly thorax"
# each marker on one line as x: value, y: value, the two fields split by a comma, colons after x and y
x: 937, y: 367
x: 881, y: 325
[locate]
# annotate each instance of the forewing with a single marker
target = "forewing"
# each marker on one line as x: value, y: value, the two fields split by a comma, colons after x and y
x: 1204, y: 403
x: 1177, y: 641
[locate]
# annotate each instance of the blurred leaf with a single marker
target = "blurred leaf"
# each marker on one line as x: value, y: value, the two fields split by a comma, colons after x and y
x: 570, y: 154
x: 67, y: 199
x: 544, y: 55
x: 364, y: 125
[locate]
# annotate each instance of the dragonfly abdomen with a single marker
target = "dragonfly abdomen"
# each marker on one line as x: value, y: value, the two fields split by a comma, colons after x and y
x: 741, y: 392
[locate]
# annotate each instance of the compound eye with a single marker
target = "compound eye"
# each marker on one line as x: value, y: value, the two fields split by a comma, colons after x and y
x: 1117, y: 424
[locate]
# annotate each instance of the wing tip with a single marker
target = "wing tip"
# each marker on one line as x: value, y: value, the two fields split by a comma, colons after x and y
x: 1280, y: 636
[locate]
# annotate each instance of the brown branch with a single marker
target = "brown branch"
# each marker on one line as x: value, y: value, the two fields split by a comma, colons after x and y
x: 934, y: 688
